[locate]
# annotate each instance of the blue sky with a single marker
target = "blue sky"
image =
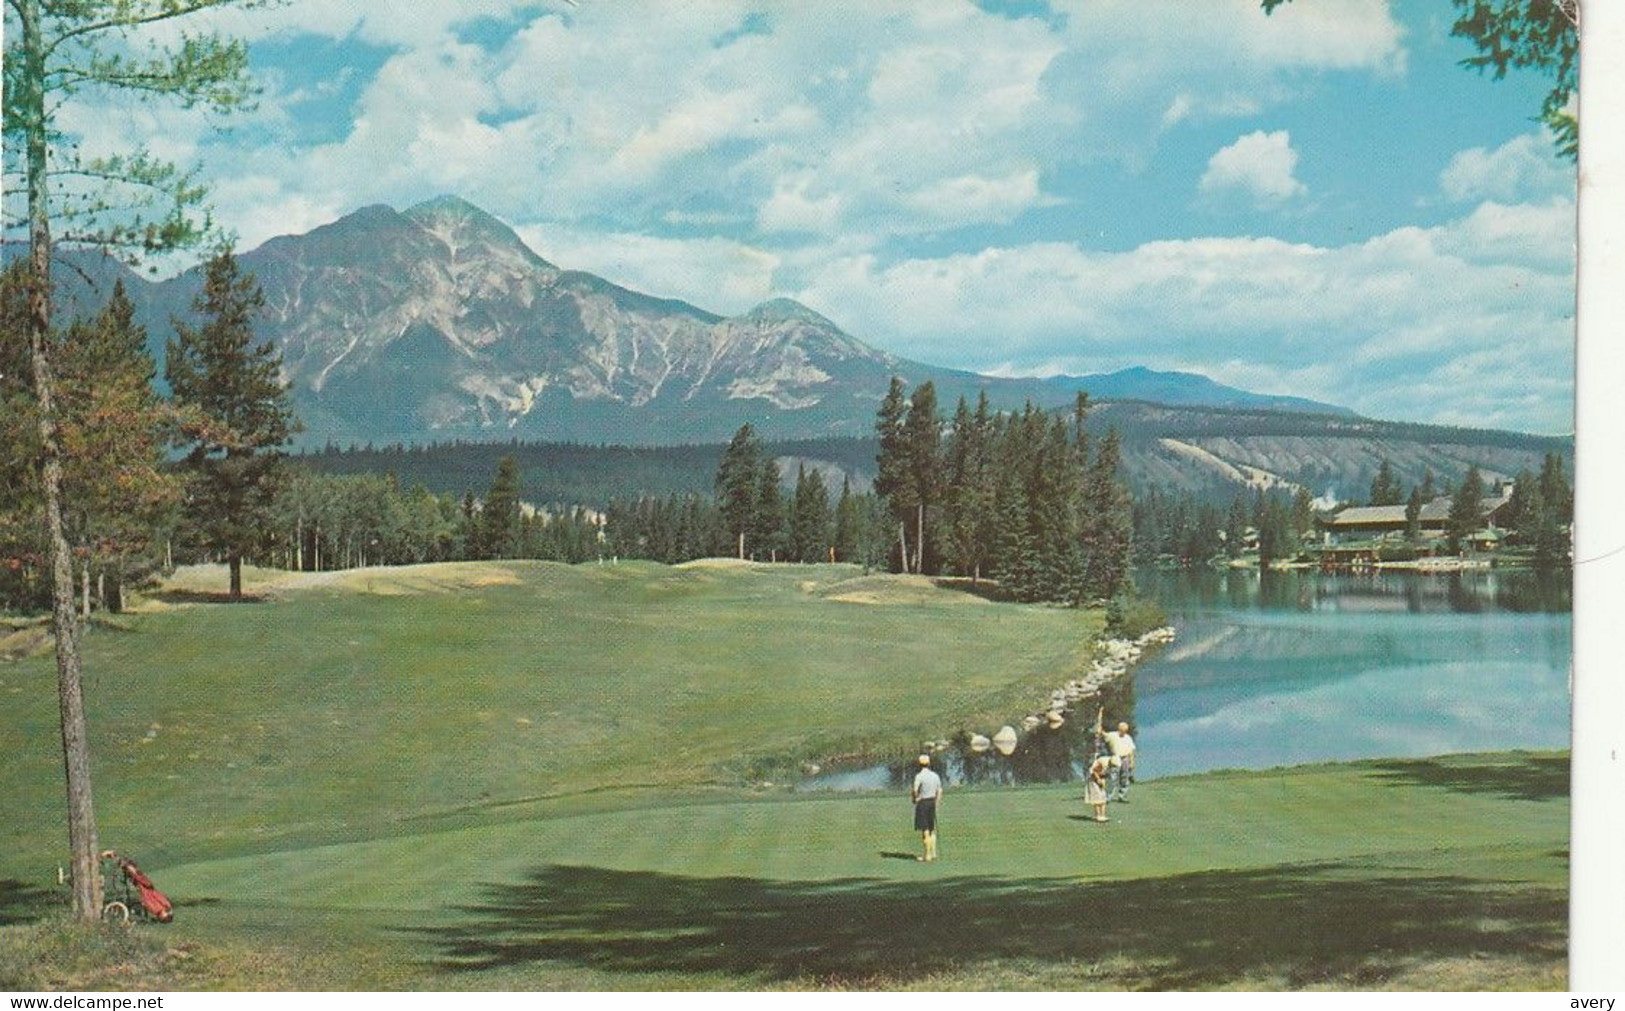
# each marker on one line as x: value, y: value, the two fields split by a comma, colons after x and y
x: 1320, y: 203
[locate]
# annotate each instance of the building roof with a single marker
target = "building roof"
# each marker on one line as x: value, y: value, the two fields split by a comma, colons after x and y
x: 1436, y: 511
x: 1359, y: 516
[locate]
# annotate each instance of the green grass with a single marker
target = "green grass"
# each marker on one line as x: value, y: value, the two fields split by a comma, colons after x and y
x: 340, y: 793
x: 1438, y: 873
x: 377, y: 703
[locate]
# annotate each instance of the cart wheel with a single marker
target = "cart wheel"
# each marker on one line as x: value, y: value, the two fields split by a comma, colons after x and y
x: 116, y: 912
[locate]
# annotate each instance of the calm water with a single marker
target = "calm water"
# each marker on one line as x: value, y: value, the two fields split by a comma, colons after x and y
x: 1303, y: 667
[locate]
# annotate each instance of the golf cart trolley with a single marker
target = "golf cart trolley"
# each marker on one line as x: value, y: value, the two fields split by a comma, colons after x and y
x: 130, y: 893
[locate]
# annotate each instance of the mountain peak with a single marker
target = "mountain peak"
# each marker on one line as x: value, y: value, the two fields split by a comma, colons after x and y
x: 785, y: 310
x: 457, y: 221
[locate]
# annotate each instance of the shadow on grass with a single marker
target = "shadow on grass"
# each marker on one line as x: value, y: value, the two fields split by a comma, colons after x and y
x: 23, y: 903
x: 173, y: 596
x: 1191, y: 931
x: 1534, y: 777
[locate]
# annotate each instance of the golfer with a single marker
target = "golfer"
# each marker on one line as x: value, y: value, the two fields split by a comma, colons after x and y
x: 1094, y: 787
x: 927, y: 792
x: 1122, y: 748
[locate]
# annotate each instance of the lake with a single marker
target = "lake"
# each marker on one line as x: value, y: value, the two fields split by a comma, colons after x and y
x: 1293, y: 667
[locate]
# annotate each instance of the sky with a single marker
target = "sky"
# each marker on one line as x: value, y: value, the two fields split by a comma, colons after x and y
x: 1320, y: 203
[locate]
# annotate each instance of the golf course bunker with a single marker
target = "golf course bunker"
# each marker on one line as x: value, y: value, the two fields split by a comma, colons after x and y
x: 893, y: 589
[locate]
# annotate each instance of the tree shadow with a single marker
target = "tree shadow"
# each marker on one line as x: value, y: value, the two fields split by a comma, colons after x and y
x: 174, y: 596
x: 1186, y: 932
x: 23, y: 903
x: 1532, y: 777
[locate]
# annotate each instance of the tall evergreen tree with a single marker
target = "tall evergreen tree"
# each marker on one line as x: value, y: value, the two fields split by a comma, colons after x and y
x: 1466, y: 510
x: 922, y: 438
x: 1109, y: 521
x: 1013, y: 561
x: 892, y: 477
x: 809, y: 518
x: 769, y: 531
x: 114, y: 436
x: 738, y: 485
x: 1554, y: 488
x: 1429, y: 489
x: 501, y: 525
x: 848, y: 517
x: 1235, y: 527
x: 962, y: 486
x: 1413, y: 516
x: 236, y: 415
x: 1385, y: 489
x: 1303, y: 513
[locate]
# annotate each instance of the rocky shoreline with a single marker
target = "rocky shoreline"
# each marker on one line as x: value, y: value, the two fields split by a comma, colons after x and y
x: 1115, y: 658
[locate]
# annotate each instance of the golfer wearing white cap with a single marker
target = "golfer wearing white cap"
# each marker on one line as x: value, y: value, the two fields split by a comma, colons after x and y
x: 926, y: 793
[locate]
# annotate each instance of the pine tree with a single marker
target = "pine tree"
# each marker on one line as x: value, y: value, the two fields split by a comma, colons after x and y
x: 236, y: 415
x: 118, y: 488
x: 1554, y: 488
x: 922, y: 438
x: 738, y: 485
x: 1385, y: 490
x: 809, y: 518
x: 768, y: 531
x: 1413, y: 516
x: 501, y: 529
x: 1012, y: 563
x: 1110, y: 522
x: 1429, y: 490
x: 892, y: 482
x: 1466, y: 510
x: 1303, y: 513
x: 848, y: 517
x: 1235, y: 527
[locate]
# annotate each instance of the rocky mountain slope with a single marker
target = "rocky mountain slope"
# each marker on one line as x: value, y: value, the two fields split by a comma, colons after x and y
x: 439, y: 322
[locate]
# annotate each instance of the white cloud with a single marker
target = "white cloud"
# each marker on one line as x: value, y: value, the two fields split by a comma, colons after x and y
x: 1523, y: 167
x: 1402, y: 325
x: 1259, y: 164
x: 887, y: 120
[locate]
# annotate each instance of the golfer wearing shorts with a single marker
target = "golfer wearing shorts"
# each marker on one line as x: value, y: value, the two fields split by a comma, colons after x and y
x: 927, y: 791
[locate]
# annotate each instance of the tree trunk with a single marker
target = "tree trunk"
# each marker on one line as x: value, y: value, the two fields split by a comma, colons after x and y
x: 741, y: 545
x: 30, y: 109
x: 101, y: 589
x: 84, y: 591
x: 919, y: 538
x: 235, y: 560
x: 299, y: 545
x: 902, y: 544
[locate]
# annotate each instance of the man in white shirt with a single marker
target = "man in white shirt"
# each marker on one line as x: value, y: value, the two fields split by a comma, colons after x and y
x: 1122, y: 750
x: 926, y: 793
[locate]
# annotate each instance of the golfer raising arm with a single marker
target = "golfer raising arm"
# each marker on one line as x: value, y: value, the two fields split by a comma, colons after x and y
x: 926, y: 793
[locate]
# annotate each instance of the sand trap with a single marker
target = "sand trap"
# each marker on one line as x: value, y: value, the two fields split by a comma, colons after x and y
x: 893, y: 589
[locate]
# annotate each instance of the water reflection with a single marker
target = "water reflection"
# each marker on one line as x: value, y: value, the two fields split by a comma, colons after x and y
x: 1472, y: 591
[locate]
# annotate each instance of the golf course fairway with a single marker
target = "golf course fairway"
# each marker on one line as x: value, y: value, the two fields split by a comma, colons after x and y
x: 535, y: 776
